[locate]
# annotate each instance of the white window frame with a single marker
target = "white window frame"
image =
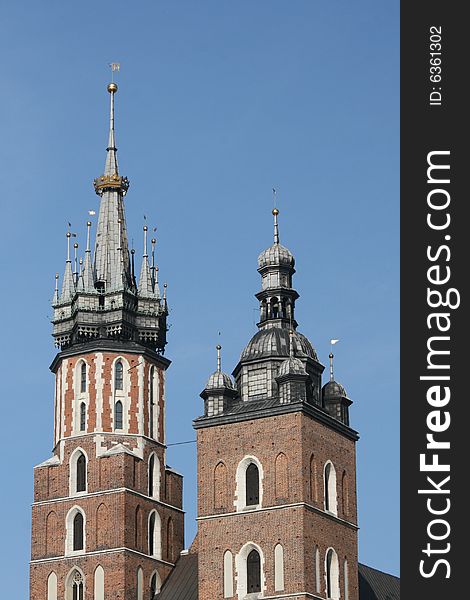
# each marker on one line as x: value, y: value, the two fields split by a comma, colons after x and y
x: 240, y: 489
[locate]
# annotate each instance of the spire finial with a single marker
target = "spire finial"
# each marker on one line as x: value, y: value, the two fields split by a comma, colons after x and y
x: 219, y: 359
x: 75, y: 263
x: 145, y: 241
x: 69, y: 235
x: 88, y: 227
x: 291, y: 341
x: 56, y: 289
x: 153, y: 268
x: 332, y: 343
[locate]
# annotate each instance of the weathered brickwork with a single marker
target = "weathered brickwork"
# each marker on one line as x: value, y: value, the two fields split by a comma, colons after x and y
x: 292, y: 450
x: 119, y: 496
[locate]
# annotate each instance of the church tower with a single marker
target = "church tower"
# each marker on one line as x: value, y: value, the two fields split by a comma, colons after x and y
x: 107, y: 516
x: 276, y: 463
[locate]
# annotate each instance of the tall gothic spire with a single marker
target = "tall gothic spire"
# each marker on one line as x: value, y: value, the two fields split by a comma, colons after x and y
x: 112, y: 264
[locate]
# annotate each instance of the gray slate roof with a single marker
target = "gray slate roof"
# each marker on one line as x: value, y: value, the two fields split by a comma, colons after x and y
x: 182, y: 582
x: 377, y: 585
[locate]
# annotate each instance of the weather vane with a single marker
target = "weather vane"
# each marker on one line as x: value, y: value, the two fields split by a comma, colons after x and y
x: 114, y: 67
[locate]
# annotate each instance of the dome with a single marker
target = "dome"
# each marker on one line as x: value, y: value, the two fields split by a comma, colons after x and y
x: 275, y: 342
x: 276, y: 255
x: 292, y: 366
x: 332, y: 389
x: 219, y: 380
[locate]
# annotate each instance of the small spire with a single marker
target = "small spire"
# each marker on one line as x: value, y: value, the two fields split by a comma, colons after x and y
x: 165, y: 285
x: 154, y: 241
x: 68, y: 285
x: 111, y: 166
x: 276, y: 226
x: 219, y: 359
x: 331, y: 366
x: 75, y: 262
x: 87, y: 272
x: 56, y: 289
x: 145, y: 279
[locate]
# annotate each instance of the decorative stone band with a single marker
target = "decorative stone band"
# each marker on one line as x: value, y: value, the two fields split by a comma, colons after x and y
x: 111, y: 182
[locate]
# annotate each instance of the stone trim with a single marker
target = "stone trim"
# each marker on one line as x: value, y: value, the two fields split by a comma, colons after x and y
x: 109, y: 551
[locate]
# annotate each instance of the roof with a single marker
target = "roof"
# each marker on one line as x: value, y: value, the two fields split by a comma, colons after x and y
x: 182, y: 582
x: 377, y: 585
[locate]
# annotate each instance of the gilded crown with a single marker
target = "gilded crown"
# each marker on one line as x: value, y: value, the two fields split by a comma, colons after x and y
x: 111, y: 182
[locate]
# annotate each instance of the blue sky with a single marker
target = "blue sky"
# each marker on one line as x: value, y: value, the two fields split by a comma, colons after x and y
x: 218, y: 102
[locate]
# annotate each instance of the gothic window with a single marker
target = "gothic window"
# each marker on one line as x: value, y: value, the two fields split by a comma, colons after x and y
x: 278, y: 568
x: 78, y: 532
x: 330, y: 488
x: 81, y: 473
x: 252, y: 485
x: 346, y: 580
x: 151, y: 465
x: 118, y: 415
x: 155, y: 584
x: 99, y: 583
x: 51, y: 534
x: 155, y: 541
x: 82, y: 416
x: 52, y: 586
x: 332, y: 575
x: 75, y: 587
x: 118, y: 375
x: 253, y: 572
x: 151, y: 401
x: 154, y: 476
x: 83, y: 378
x: 228, y: 574
x: 317, y: 570
x: 140, y: 584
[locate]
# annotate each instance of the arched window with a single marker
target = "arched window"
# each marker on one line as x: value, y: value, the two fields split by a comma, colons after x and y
x: 253, y: 572
x: 317, y: 571
x: 332, y: 575
x: 78, y: 532
x: 228, y: 574
x: 151, y: 401
x: 252, y: 485
x: 118, y: 415
x: 281, y: 476
x: 52, y: 586
x: 81, y: 473
x: 155, y: 584
x: 82, y: 416
x: 118, y: 375
x: 83, y: 378
x: 278, y: 568
x: 154, y: 476
x: 220, y: 486
x: 346, y: 580
x: 331, y: 502
x: 345, y: 494
x: 155, y: 535
x: 138, y: 529
x: 140, y: 584
x: 99, y: 583
x: 75, y: 586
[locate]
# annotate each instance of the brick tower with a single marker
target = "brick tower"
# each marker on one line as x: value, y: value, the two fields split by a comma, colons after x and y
x: 276, y: 463
x: 107, y: 516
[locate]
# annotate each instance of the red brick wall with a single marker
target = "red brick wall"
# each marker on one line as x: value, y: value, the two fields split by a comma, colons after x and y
x: 284, y: 446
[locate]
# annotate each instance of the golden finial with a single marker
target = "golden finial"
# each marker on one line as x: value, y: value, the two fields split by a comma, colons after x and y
x: 275, y: 212
x: 112, y: 88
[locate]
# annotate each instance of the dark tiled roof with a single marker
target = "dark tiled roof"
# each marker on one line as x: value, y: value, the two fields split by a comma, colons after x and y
x: 376, y: 585
x: 182, y: 582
